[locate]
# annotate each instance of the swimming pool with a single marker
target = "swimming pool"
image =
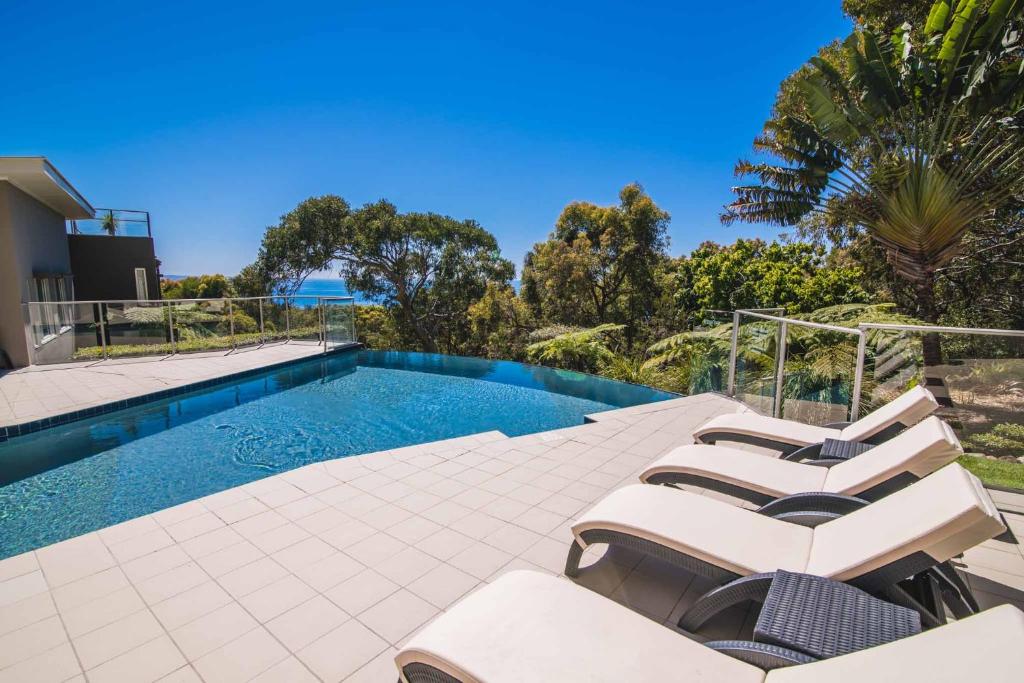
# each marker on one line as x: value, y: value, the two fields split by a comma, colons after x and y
x: 68, y: 480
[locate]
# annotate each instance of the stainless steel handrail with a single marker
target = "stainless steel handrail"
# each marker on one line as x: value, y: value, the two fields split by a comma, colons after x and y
x: 780, y: 354
x: 225, y: 305
x: 929, y: 329
x: 860, y: 331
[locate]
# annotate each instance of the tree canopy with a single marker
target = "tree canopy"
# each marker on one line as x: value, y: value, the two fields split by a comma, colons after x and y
x: 599, y: 263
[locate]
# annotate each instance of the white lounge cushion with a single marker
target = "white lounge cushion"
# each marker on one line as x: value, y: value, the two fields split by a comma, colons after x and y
x: 770, y: 476
x: 985, y: 647
x: 942, y: 515
x: 752, y: 424
x: 909, y: 408
x: 738, y: 540
x: 924, y: 448
x: 528, y: 627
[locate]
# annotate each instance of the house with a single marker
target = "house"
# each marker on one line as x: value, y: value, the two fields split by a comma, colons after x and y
x: 56, y: 247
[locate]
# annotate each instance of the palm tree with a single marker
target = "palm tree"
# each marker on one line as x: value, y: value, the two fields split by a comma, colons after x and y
x: 919, y: 142
x: 109, y: 223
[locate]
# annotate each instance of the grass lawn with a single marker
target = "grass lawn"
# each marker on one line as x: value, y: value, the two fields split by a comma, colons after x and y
x: 995, y: 472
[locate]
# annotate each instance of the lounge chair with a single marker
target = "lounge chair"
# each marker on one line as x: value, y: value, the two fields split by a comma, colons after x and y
x: 788, y: 436
x: 530, y: 627
x: 915, y: 453
x: 874, y: 547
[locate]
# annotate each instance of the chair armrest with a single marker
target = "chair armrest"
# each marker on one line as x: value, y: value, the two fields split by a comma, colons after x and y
x: 806, y: 453
x: 813, y: 508
x: 825, y: 462
x: 761, y: 655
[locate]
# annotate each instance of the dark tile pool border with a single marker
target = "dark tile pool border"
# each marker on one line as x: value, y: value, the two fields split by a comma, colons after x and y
x: 12, y: 431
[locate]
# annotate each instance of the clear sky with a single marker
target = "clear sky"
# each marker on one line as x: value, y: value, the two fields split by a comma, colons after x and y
x: 218, y: 117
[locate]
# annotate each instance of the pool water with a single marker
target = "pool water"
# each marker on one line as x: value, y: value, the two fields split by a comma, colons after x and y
x: 68, y: 480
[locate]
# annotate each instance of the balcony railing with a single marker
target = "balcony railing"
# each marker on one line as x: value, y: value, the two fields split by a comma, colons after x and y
x: 816, y: 373
x: 63, y: 331
x: 113, y: 223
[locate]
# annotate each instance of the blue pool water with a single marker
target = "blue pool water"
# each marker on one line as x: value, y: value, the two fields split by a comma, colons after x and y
x: 76, y: 478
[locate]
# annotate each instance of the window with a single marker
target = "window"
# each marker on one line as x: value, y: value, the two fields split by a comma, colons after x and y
x: 47, y: 317
x: 141, y: 290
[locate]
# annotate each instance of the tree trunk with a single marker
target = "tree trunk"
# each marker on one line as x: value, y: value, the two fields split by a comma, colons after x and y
x: 422, y: 334
x: 929, y: 312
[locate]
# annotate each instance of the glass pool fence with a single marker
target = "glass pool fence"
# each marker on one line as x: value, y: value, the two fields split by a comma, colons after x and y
x: 63, y: 331
x: 819, y: 374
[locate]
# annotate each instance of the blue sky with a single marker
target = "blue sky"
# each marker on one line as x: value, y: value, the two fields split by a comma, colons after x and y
x: 219, y: 117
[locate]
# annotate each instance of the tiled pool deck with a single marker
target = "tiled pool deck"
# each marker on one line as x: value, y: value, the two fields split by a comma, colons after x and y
x: 40, y: 391
x: 321, y: 573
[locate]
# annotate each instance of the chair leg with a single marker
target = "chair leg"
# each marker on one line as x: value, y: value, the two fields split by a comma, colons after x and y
x: 754, y: 587
x: 572, y: 562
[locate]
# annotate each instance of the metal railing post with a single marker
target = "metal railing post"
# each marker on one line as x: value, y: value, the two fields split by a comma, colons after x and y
x: 352, y: 320
x: 263, y: 336
x: 322, y: 314
x: 731, y: 387
x: 780, y: 369
x: 170, y: 325
x: 858, y: 376
x: 287, y: 322
x: 231, y: 324
x: 101, y: 308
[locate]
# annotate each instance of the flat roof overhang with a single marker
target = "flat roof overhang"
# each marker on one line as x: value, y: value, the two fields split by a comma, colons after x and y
x: 37, y: 177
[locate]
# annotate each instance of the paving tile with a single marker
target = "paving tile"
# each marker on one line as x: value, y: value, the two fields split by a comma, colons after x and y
x: 31, y: 640
x: 28, y: 611
x: 414, y: 529
x: 375, y: 549
x: 380, y: 668
x: 480, y: 560
x: 343, y: 651
x: 406, y: 566
x: 18, y: 565
x: 185, y: 674
x: 211, y: 542
x: 303, y: 553
x: 115, y: 639
x: 477, y: 525
x: 361, y: 591
x: 539, y: 521
x: 156, y: 563
x: 213, y: 630
x: 57, y: 664
x: 290, y: 670
x: 328, y: 572
x: 512, y: 539
x: 223, y: 561
x: 443, y: 585
x: 162, y: 586
x: 242, y: 509
x: 127, y: 530
x: 397, y: 615
x: 242, y: 659
x: 74, y: 559
x: 306, y: 622
x: 322, y: 520
x: 76, y: 593
x: 276, y: 598
x: 194, y: 526
x: 18, y: 588
x: 445, y: 544
x: 251, y: 577
x: 445, y: 512
x: 282, y: 496
x: 279, y: 538
x: 190, y: 604
x: 348, y: 534
x: 301, y: 507
x: 141, y: 544
x: 259, y: 524
x: 102, y: 611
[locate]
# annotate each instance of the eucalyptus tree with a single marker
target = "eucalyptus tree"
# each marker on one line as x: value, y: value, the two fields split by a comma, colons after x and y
x: 424, y: 267
x: 916, y: 141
